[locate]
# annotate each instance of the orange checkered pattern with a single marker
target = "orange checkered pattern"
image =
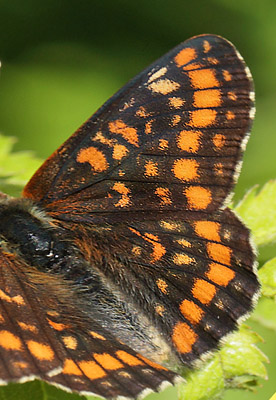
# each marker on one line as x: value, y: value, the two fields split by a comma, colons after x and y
x: 122, y: 261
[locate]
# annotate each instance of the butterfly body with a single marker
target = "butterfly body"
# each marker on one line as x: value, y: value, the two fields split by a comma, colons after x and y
x: 122, y: 259
x: 29, y: 235
x: 25, y: 230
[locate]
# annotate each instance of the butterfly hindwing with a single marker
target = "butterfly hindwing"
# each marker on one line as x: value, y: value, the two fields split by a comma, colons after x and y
x: 193, y: 277
x: 199, y: 274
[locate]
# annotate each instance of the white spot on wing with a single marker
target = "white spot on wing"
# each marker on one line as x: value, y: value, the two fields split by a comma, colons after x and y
x: 244, y: 141
x: 252, y: 113
x: 248, y: 73
x: 252, y: 96
x: 157, y: 74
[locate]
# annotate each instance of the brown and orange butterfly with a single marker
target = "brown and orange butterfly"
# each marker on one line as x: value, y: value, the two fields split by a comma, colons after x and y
x: 121, y: 260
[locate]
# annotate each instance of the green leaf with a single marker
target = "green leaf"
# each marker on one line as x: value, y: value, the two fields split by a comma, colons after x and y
x: 267, y: 275
x: 15, y: 168
x: 36, y: 390
x: 265, y: 313
x: 258, y: 210
x: 239, y: 364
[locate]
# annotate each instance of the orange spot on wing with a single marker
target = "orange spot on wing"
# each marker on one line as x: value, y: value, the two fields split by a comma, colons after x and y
x: 202, y: 118
x: 219, y: 140
x: 164, y: 194
x: 162, y: 285
x: 185, y: 56
x: 136, y: 232
x: 163, y: 144
x: 99, y: 137
x: 189, y: 141
x: 192, y: 66
x: 71, y: 368
x: 94, y: 157
x: 70, y: 342
x: 159, y: 310
x: 206, y: 46
x: 218, y: 167
x: 53, y: 313
x: 226, y: 75
x: 220, y: 274
x: 151, y: 236
x: 175, y: 119
x: 158, y: 249
x: 142, y: 112
x: 119, y: 151
x: 208, y: 230
x: 183, y: 337
x: 232, y: 96
x: 18, y: 299
x: 181, y: 258
x: 107, y: 361
x: 191, y: 311
x: 185, y: 169
x: 151, y: 168
x: 164, y: 86
x: 219, y: 252
x: 230, y: 115
x: 40, y: 350
x: 27, y: 327
x: 170, y: 225
x: 20, y: 365
x: 203, y: 291
x: 148, y: 127
x: 96, y: 335
x: 213, y: 60
x: 151, y: 363
x: 176, y: 102
x: 184, y: 242
x: 91, y: 369
x: 58, y: 326
x: 9, y: 341
x: 207, y: 98
x: 136, y: 250
x: 124, y: 191
x: 127, y: 132
x: 128, y: 358
x: 203, y: 78
x: 198, y: 197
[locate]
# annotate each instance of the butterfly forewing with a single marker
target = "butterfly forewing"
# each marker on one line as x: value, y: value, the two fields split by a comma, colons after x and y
x: 171, y: 139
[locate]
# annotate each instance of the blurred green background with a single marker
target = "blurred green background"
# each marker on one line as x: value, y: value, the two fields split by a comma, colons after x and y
x: 61, y: 59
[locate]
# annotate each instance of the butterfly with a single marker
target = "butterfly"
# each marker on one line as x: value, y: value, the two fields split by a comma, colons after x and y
x: 121, y: 262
